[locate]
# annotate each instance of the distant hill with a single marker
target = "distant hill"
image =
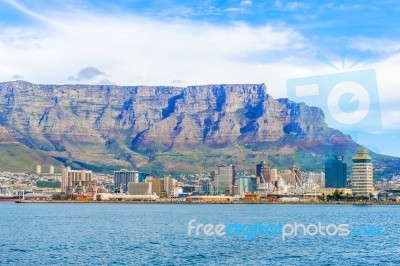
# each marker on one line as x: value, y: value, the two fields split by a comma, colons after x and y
x: 164, y: 129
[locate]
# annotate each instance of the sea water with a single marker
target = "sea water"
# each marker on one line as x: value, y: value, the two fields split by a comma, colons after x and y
x: 158, y: 234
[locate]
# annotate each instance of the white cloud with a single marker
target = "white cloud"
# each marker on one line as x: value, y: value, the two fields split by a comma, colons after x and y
x: 178, y: 82
x: 235, y: 9
x: 378, y: 46
x: 135, y: 50
x: 87, y: 73
x: 17, y: 77
x: 291, y: 6
x: 246, y: 3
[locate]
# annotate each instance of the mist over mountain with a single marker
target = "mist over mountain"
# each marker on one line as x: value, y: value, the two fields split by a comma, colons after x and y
x: 163, y: 129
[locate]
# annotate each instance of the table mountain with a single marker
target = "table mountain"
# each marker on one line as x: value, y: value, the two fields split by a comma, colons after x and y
x: 165, y: 129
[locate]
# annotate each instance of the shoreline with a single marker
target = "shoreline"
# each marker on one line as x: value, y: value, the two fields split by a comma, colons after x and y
x: 230, y: 202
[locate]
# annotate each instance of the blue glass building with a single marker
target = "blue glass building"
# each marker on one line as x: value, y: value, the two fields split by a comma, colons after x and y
x: 335, y: 172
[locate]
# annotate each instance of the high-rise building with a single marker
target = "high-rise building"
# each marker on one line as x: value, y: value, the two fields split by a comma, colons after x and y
x: 362, y: 173
x: 76, y: 181
x: 247, y: 184
x: 263, y: 171
x: 335, y: 172
x: 122, y: 178
x: 224, y: 180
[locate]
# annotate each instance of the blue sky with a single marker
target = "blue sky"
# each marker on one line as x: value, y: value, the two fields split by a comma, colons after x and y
x: 206, y: 42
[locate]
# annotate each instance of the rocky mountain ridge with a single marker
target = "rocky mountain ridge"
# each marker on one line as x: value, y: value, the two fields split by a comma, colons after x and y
x: 169, y: 128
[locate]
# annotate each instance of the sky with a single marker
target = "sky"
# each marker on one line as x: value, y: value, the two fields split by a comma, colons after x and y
x: 181, y: 43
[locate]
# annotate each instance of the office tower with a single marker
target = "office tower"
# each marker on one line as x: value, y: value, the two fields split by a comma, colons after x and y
x: 122, y: 178
x: 224, y: 180
x: 263, y: 171
x: 362, y: 173
x: 335, y: 172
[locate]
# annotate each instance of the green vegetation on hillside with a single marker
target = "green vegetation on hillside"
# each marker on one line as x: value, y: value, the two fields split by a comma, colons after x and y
x: 20, y: 159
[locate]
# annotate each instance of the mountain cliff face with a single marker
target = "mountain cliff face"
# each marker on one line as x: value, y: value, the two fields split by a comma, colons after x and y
x: 167, y: 128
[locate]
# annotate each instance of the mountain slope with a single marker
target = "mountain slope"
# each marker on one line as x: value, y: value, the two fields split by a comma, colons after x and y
x: 167, y: 129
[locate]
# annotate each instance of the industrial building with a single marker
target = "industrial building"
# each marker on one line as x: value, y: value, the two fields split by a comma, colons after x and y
x: 76, y: 181
x: 163, y: 186
x: 293, y: 176
x: 362, y: 173
x: 143, y: 188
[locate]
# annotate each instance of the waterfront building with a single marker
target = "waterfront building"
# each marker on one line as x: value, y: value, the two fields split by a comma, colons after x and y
x: 162, y: 186
x: 335, y: 172
x: 143, y: 188
x: 219, y: 198
x: 224, y: 179
x: 330, y: 191
x: 122, y: 178
x: 76, y: 181
x: 362, y: 173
